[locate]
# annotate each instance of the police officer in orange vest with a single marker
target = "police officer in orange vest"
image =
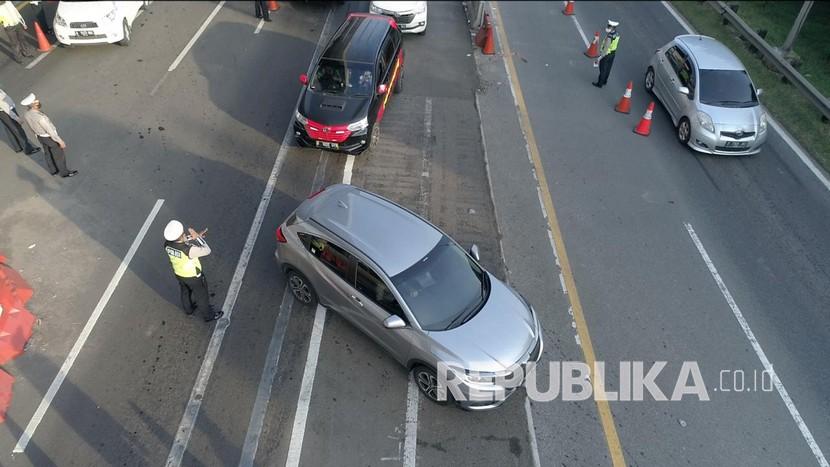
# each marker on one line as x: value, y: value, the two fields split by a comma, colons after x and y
x: 184, y: 252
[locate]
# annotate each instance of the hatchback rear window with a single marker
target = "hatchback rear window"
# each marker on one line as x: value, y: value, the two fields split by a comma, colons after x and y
x: 343, y: 78
x: 727, y: 88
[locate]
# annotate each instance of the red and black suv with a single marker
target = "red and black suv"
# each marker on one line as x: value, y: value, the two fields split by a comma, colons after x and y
x: 344, y: 99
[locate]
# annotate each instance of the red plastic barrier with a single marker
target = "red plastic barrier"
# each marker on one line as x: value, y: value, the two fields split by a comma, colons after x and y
x: 12, y: 282
x: 6, y: 382
x: 15, y: 331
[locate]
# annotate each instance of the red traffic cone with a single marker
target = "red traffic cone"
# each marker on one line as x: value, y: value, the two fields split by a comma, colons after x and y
x: 489, y: 44
x: 644, y: 127
x: 481, y: 35
x: 43, y: 44
x: 273, y: 5
x: 569, y: 8
x: 624, y: 105
x: 593, y: 49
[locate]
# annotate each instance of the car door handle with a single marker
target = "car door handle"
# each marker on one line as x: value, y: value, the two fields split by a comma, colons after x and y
x: 359, y: 302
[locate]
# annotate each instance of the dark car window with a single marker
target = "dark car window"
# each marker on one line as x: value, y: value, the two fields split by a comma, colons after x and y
x: 343, y: 78
x: 727, y: 88
x: 387, y: 53
x: 336, y: 258
x: 682, y: 67
x: 371, y: 286
x: 444, y: 289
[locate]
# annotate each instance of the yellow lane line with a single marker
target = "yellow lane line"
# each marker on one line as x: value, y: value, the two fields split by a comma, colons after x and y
x: 605, y: 415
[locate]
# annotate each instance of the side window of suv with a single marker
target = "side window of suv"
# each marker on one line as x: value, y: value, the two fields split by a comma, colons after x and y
x: 370, y: 285
x: 387, y: 51
x: 336, y: 258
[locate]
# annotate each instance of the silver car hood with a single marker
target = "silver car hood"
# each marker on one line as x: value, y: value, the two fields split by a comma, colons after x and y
x: 500, y: 335
x: 747, y: 118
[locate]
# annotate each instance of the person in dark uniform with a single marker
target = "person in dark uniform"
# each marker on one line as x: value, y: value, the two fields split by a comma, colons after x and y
x: 11, y: 120
x: 40, y: 16
x: 47, y: 134
x: 184, y: 252
x: 261, y: 8
x: 607, y: 52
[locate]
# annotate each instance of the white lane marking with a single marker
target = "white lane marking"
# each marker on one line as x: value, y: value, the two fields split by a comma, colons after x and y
x: 39, y: 58
x: 581, y: 31
x: 266, y: 382
x: 347, y: 170
x: 85, y: 332
x: 411, y: 429
x: 531, y: 430
x: 259, y: 26
x: 422, y: 188
x: 779, y: 386
x: 187, y: 47
x: 295, y: 447
x: 785, y: 135
x: 188, y: 421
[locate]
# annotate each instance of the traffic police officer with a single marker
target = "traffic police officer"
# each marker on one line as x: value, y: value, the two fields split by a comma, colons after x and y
x: 607, y: 52
x: 184, y: 252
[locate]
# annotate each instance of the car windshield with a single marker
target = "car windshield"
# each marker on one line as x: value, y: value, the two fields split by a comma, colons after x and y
x: 727, y: 88
x: 444, y: 289
x: 343, y: 78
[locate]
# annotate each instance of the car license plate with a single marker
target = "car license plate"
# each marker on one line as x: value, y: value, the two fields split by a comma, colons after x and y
x: 736, y: 144
x: 327, y: 145
x: 86, y: 33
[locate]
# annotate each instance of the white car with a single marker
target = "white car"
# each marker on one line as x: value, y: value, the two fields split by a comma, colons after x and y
x: 410, y: 16
x: 104, y: 22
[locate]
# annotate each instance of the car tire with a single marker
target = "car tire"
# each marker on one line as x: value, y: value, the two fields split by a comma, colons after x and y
x: 399, y: 84
x: 684, y: 131
x: 427, y: 381
x: 301, y: 288
x: 126, y: 40
x: 648, y: 80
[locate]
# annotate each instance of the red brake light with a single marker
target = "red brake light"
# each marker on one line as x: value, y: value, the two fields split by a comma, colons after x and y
x: 316, y: 193
x: 280, y: 236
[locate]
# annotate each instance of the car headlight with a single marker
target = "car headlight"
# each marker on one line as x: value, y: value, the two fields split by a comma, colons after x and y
x: 480, y: 377
x: 299, y: 117
x: 706, y: 122
x: 359, y: 125
x: 762, y: 125
x: 60, y: 21
x: 374, y: 9
x: 111, y: 15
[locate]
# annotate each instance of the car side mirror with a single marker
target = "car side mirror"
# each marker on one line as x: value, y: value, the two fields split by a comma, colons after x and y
x: 474, y: 252
x: 683, y: 90
x: 304, y: 79
x: 758, y: 92
x: 382, y: 89
x: 394, y: 322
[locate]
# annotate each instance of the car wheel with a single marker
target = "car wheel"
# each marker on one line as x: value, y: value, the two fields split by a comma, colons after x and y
x: 301, y: 288
x: 126, y: 40
x: 684, y: 131
x: 427, y: 382
x: 649, y: 80
x: 399, y: 84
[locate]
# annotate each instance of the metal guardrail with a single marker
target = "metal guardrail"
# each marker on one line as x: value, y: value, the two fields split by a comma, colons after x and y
x: 794, y: 77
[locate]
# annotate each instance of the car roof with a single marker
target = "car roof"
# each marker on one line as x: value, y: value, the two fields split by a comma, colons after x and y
x: 392, y: 236
x: 359, y: 38
x: 709, y: 54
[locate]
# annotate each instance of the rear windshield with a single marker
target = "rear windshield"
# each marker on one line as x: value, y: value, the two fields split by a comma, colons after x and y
x: 727, y: 88
x: 343, y: 78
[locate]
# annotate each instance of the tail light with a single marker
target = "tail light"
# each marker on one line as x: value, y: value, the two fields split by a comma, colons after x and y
x: 316, y: 193
x: 280, y: 235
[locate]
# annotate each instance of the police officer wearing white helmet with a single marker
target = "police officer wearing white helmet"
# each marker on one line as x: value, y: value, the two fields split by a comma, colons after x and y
x: 184, y: 252
x: 607, y: 52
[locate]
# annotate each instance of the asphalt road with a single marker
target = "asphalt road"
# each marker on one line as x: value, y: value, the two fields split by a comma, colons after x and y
x: 206, y: 136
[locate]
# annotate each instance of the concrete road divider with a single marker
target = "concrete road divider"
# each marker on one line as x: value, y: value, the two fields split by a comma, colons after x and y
x: 569, y: 8
x: 593, y: 49
x: 644, y: 127
x: 624, y: 105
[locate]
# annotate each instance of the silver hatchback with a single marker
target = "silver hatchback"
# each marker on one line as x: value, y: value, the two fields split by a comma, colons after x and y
x: 709, y: 96
x: 414, y: 291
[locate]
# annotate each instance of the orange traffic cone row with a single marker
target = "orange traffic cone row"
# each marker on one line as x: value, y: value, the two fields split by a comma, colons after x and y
x: 569, y: 8
x: 593, y: 49
x: 43, y: 44
x: 644, y: 127
x: 624, y: 105
x: 489, y: 44
x: 273, y: 5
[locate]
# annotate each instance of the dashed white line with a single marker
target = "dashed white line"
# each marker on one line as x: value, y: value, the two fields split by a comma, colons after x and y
x: 411, y: 429
x: 347, y: 170
x: 259, y: 26
x: 581, y: 31
x: 85, y: 332
x: 756, y: 346
x: 531, y: 430
x: 295, y: 446
x: 39, y: 58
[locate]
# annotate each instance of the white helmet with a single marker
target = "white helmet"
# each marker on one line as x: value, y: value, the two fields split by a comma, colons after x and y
x: 173, y: 231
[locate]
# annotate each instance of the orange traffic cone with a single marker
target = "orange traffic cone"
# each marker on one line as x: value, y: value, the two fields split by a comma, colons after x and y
x: 593, y: 49
x: 489, y: 44
x: 43, y: 44
x: 481, y: 35
x: 273, y: 5
x: 644, y: 127
x: 624, y: 105
x: 569, y: 8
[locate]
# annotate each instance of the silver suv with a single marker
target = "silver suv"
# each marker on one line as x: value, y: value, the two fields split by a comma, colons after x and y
x: 709, y: 96
x: 414, y: 291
